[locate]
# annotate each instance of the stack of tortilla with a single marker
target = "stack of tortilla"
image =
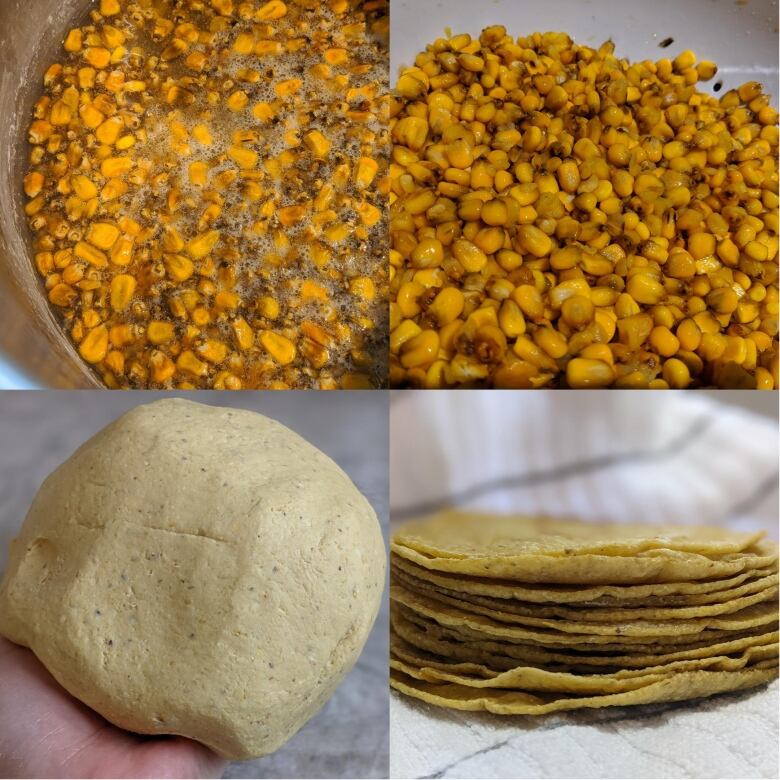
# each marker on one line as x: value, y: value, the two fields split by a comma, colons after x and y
x: 520, y: 616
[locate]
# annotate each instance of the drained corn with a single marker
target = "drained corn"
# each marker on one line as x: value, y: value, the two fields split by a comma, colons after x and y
x: 207, y: 191
x: 562, y: 217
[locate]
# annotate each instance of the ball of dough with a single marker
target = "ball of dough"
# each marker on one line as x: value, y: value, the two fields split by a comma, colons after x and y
x: 199, y: 571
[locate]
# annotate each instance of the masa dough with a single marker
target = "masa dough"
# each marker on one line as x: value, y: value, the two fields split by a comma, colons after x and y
x: 198, y: 571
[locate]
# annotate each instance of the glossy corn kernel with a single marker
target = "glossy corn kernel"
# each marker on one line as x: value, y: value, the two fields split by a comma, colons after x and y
x: 279, y: 347
x: 122, y: 289
x: 95, y: 345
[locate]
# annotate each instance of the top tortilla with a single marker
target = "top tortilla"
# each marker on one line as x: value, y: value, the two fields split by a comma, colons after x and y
x: 648, y: 566
x: 452, y: 534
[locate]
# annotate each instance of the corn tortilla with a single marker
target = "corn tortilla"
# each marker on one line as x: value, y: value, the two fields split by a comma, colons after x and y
x: 595, y: 595
x: 506, y: 610
x: 454, y: 534
x: 563, y: 632
x: 503, y: 657
x: 676, y: 687
x: 656, y: 565
x: 432, y: 669
x: 512, y: 612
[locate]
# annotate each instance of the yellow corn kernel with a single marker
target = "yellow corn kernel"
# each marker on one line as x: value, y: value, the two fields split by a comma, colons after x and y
x: 268, y: 307
x: 163, y: 368
x: 266, y: 47
x: 663, y: 341
x: 470, y: 256
x: 109, y: 131
x: 109, y: 7
x: 291, y: 215
x: 212, y: 350
x: 676, y: 373
x: 198, y: 173
x: 33, y: 184
x: 551, y: 342
x: 237, y: 101
x: 534, y: 241
x: 335, y: 56
x: 90, y: 116
x: 116, y: 166
x: 202, y: 244
x: 103, y: 235
x: 317, y: 144
x: 412, y: 83
x: 97, y: 57
x: 568, y: 176
x: 263, y: 112
x: 122, y: 252
x: 648, y: 187
x: 722, y: 300
x: 411, y: 131
x: 589, y: 373
x: 243, y: 335
x: 428, y: 253
x: 764, y: 379
x: 244, y: 158
x: 279, y: 347
x: 288, y: 87
x: 178, y: 267
x: 201, y: 134
x: 365, y: 172
x: 369, y: 214
x: 122, y: 289
x: 420, y: 350
x: 644, y: 289
x: 275, y: 9
x: 61, y: 113
x: 188, y: 363
x: 62, y: 295
x: 93, y: 256
x: 95, y: 345
x: 73, y: 40
x: 363, y: 287
x: 159, y: 332
x: 244, y: 43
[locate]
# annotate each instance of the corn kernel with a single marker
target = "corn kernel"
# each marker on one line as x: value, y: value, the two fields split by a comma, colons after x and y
x: 279, y: 347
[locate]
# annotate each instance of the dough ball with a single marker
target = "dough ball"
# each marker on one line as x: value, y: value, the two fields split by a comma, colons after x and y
x: 199, y: 571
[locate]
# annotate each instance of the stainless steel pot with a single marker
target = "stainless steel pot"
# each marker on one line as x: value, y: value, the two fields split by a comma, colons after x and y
x: 31, y: 341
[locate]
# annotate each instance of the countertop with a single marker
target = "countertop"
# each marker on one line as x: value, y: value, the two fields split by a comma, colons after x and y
x: 349, y: 736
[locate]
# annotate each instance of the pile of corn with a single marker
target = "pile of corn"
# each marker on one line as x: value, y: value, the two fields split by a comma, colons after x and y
x: 208, y: 192
x: 561, y: 217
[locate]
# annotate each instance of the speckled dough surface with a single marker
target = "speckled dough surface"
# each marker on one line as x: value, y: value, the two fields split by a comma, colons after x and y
x: 199, y: 571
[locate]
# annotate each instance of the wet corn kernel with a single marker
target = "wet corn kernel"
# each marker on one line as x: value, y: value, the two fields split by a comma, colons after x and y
x: 95, y: 345
x: 616, y: 232
x: 279, y: 347
x: 212, y: 194
x: 122, y: 289
x: 317, y: 144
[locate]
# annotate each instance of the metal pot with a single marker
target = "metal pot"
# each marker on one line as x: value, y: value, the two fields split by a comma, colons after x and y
x: 33, y: 348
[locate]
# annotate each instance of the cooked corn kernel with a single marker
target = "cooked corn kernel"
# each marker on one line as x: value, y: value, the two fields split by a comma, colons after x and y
x: 616, y: 231
x: 178, y: 269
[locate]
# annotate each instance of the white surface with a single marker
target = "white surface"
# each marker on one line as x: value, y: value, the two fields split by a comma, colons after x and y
x: 728, y: 736
x: 648, y: 456
x: 741, y: 39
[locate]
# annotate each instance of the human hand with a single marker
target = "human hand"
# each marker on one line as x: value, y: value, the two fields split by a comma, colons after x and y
x: 45, y: 732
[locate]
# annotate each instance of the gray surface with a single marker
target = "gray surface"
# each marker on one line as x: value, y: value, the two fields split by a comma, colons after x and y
x: 38, y: 430
x: 765, y: 404
x: 31, y: 341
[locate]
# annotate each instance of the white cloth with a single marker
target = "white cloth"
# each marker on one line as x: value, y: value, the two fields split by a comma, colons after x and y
x: 622, y: 456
